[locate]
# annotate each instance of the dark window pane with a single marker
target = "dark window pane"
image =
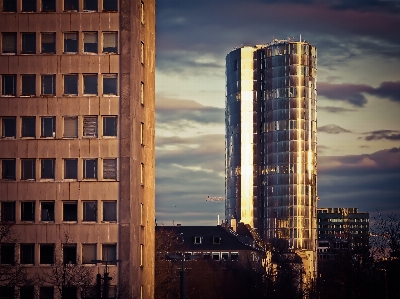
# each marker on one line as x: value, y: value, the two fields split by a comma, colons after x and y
x: 47, y: 211
x: 110, y: 5
x: 28, y: 85
x: 110, y: 42
x: 27, y: 253
x: 89, y: 211
x: 69, y: 293
x: 70, y: 211
x: 71, y: 169
x: 110, y: 84
x: 90, y: 42
x: 48, y: 127
x: 90, y: 126
x: 28, y: 5
x: 7, y: 254
x: 28, y: 127
x: 9, y: 43
x: 46, y: 254
x: 7, y: 292
x: 28, y: 43
x: 8, y: 169
x: 10, y: 5
x: 71, y: 4
x: 90, y: 169
x: 110, y: 126
x: 110, y: 168
x: 8, y: 127
x: 28, y: 211
x: 69, y: 254
x: 48, y: 42
x: 28, y: 167
x: 90, y: 5
x: 90, y: 84
x: 48, y: 5
x: 110, y: 211
x: 9, y: 85
x: 27, y: 292
x: 71, y: 42
x: 71, y: 84
x: 109, y: 252
x: 48, y: 166
x: 8, y: 211
x: 49, y: 85
x: 46, y: 293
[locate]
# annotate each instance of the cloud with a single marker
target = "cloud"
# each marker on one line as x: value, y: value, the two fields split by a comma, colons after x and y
x: 332, y: 129
x: 368, y: 5
x: 332, y: 109
x: 354, y: 93
x: 383, y: 134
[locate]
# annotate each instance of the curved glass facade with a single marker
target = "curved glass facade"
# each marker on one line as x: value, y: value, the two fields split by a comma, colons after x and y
x: 271, y: 141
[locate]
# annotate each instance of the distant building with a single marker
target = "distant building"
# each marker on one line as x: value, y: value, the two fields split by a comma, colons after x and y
x: 342, y: 230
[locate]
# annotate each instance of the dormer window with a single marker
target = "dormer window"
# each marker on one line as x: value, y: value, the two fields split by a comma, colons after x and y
x: 216, y: 240
x: 198, y: 240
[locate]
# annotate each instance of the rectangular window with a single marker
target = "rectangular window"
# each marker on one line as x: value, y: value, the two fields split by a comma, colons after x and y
x: 28, y: 43
x: 109, y: 211
x: 71, y: 5
x: 90, y: 126
x: 198, y: 240
x: 90, y: 5
x: 71, y: 169
x: 110, y: 42
x: 69, y: 254
x: 71, y: 84
x: 48, y: 85
x: 46, y: 293
x: 7, y: 254
x: 90, y: 84
x: 69, y: 292
x: 9, y: 85
x: 28, y: 169
x: 48, y: 5
x: 89, y: 253
x: 48, y: 168
x: 70, y: 211
x: 142, y: 93
x: 8, y: 169
x: 141, y: 173
x: 216, y: 240
x: 89, y: 211
x: 141, y: 133
x: 70, y: 126
x: 28, y: 85
x: 48, y: 42
x: 28, y: 6
x: 109, y: 252
x: 215, y: 256
x: 28, y: 126
x: 47, y: 211
x: 225, y: 256
x: 142, y: 12
x: 90, y: 42
x: 8, y: 127
x: 109, y: 126
x: 110, y: 84
x: 142, y: 52
x: 27, y: 292
x: 235, y: 256
x: 9, y: 42
x: 141, y: 214
x: 27, y: 254
x: 8, y: 211
x: 46, y: 254
x: 110, y: 169
x: 90, y: 168
x: 28, y: 211
x: 48, y: 126
x: 141, y: 254
x: 71, y: 42
x: 10, y: 6
x: 110, y: 5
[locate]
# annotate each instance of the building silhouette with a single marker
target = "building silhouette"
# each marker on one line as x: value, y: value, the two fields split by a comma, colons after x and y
x: 77, y: 136
x: 271, y: 150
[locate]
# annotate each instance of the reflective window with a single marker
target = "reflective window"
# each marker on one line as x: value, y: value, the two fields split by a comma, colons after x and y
x: 28, y: 169
x: 28, y: 126
x: 110, y: 84
x: 109, y: 126
x: 48, y: 85
x: 71, y: 169
x: 71, y: 42
x: 48, y: 128
x: 9, y: 85
x: 9, y: 42
x: 110, y: 42
x: 90, y: 42
x: 70, y: 126
x: 48, y: 42
x: 28, y: 5
x: 28, y: 43
x: 28, y: 85
x: 142, y: 52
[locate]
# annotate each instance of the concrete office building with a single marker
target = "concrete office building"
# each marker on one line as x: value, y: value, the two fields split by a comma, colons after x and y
x: 271, y: 151
x: 77, y: 136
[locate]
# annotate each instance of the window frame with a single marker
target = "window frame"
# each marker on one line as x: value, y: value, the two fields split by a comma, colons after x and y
x: 95, y: 169
x: 106, y: 124
x: 43, y: 130
x: 74, y: 211
x: 72, y: 118
x: 107, y: 211
x: 66, y: 170
x: 110, y: 50
x: 26, y: 47
x: 13, y: 92
x: 84, y: 260
x: 28, y: 213
x: 44, y: 87
x: 4, y: 176
x: 71, y: 43
x: 110, y: 85
x: 74, y: 90
x: 107, y: 171
x: 42, y: 9
x: 12, y: 2
x: 51, y: 212
x: 70, y: 249
x: 28, y: 9
x: 6, y: 259
x: 26, y: 174
x: 105, y: 252
x: 27, y: 291
x: 5, y: 123
x: 90, y: 126
x: 43, y: 175
x: 87, y: 46
x: 28, y: 85
x: 51, y: 51
x: 6, y: 207
x: 109, y: 9
x: 3, y: 43
x: 31, y: 259
x: 86, y: 84
x: 91, y: 10
x: 44, y: 259
x: 28, y: 127
x: 90, y: 210
x: 76, y: 2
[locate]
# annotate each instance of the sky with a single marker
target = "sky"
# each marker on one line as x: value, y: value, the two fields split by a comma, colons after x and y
x: 358, y: 86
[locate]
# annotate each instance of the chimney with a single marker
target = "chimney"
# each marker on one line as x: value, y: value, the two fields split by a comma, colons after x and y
x: 233, y: 224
